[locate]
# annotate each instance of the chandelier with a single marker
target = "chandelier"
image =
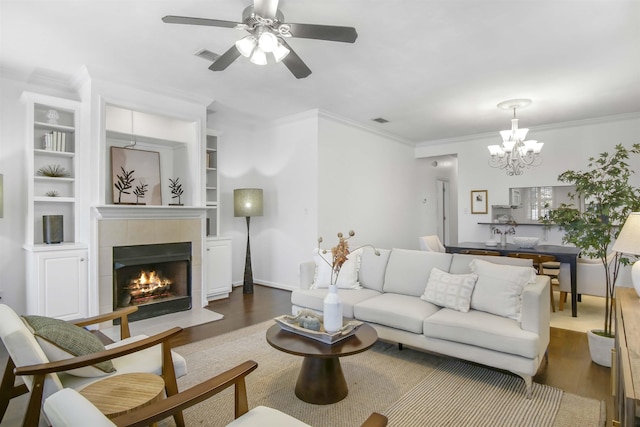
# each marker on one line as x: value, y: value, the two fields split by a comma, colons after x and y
x: 262, y: 41
x: 515, y: 154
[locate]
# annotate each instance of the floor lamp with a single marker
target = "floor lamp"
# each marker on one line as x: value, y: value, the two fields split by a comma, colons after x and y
x: 247, y: 202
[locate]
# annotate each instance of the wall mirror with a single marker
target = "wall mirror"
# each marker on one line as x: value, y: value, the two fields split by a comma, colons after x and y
x: 534, y: 202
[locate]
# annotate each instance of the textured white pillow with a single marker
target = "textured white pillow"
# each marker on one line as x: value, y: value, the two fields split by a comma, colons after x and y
x: 450, y: 290
x: 499, y: 287
x: 348, y: 277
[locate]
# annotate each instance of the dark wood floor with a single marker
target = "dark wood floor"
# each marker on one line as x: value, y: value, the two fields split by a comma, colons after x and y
x: 569, y: 367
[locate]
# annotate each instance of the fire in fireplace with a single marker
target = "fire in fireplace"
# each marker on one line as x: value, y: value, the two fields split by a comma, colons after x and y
x: 156, y: 278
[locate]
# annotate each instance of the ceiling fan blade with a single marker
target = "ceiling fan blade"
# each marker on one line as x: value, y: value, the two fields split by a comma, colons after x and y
x: 266, y: 8
x: 225, y: 60
x: 293, y: 62
x: 171, y: 19
x: 324, y: 32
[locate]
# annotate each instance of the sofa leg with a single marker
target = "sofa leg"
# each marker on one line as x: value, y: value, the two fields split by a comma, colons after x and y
x: 400, y: 347
x: 528, y: 384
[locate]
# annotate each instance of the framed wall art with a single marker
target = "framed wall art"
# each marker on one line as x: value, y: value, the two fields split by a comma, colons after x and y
x: 135, y: 177
x: 479, y: 202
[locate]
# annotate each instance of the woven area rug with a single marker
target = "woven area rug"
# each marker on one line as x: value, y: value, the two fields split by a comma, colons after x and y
x: 412, y: 388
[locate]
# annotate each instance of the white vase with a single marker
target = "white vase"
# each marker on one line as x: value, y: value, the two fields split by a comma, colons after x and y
x: 503, y: 240
x: 332, y: 311
x: 600, y: 348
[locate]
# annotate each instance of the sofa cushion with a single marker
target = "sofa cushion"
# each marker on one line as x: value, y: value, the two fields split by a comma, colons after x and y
x: 314, y: 298
x: 499, y: 287
x: 396, y: 311
x: 372, y: 268
x: 348, y: 277
x: 408, y: 270
x: 62, y: 340
x: 482, y: 330
x: 450, y: 290
x: 460, y: 262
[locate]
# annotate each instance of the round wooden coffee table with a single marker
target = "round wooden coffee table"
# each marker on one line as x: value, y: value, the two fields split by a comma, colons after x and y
x: 321, y: 380
x: 122, y: 393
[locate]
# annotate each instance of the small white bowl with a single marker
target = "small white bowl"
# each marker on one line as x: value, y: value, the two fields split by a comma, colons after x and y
x: 491, y: 243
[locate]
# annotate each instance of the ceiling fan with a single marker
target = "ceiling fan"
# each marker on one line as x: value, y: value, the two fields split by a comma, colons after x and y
x: 267, y: 33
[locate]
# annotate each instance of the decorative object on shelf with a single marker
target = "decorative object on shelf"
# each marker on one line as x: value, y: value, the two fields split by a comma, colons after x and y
x: 479, y: 201
x: 526, y: 242
x: 247, y: 202
x: 52, y: 117
x: 52, y: 193
x: 53, y: 171
x: 503, y: 230
x: 296, y: 324
x: 140, y: 190
x: 124, y: 183
x: 146, y: 165
x: 628, y: 242
x: 515, y: 154
x: 52, y: 229
x: 176, y: 190
x: 608, y: 199
x: 54, y: 141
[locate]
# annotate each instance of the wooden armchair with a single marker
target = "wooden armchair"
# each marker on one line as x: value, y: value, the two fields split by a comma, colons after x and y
x: 68, y: 408
x: 43, y: 378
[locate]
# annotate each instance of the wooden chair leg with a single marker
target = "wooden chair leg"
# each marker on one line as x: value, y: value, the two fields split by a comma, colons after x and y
x: 8, y: 389
x: 563, y: 299
x: 553, y: 303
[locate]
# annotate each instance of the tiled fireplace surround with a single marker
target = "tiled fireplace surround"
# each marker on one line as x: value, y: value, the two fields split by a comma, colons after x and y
x: 125, y: 232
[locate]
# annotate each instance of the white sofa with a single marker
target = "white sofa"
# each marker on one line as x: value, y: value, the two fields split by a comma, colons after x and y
x: 390, y: 300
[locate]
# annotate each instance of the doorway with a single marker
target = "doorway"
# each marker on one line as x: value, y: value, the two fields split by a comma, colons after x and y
x: 443, y: 210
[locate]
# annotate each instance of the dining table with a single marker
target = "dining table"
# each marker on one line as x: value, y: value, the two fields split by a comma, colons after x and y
x: 563, y: 254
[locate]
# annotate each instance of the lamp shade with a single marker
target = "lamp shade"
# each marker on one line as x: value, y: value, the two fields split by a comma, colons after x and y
x: 247, y: 202
x: 628, y: 240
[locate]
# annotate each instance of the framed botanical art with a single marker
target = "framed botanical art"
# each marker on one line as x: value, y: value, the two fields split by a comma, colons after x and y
x: 479, y: 202
x: 135, y: 176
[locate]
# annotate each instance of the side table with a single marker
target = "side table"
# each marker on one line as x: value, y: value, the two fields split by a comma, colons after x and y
x: 122, y: 393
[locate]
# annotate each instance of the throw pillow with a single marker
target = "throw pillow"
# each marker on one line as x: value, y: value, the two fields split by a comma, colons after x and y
x: 499, y: 287
x: 450, y: 290
x: 348, y: 277
x: 63, y: 340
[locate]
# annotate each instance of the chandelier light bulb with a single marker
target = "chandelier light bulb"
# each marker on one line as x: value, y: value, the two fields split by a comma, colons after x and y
x: 268, y: 42
x: 246, y: 45
x: 258, y: 57
x: 280, y: 52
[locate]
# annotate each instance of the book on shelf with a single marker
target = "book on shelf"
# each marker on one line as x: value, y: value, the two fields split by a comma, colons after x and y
x: 54, y: 141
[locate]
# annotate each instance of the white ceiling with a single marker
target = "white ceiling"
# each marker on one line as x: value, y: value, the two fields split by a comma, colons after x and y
x: 434, y: 68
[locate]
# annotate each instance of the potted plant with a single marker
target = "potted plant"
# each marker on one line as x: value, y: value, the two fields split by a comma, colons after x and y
x: 607, y: 198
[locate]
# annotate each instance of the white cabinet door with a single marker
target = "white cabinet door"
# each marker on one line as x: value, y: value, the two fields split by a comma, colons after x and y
x: 218, y: 268
x: 58, y: 285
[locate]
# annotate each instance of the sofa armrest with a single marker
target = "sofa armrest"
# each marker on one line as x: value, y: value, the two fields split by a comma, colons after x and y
x: 307, y: 271
x: 536, y: 307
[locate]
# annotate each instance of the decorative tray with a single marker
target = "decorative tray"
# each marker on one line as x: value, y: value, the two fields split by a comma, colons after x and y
x: 292, y: 324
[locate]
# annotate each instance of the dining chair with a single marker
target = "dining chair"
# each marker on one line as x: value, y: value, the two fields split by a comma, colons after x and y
x: 552, y: 270
x: 431, y: 243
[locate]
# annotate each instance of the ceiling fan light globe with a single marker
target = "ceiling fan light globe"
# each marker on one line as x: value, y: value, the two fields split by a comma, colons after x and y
x: 258, y: 57
x: 246, y: 45
x: 268, y: 42
x: 280, y: 52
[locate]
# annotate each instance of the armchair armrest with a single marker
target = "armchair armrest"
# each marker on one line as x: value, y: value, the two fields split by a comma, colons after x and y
x: 122, y: 314
x: 172, y: 404
x: 375, y: 420
x: 90, y: 359
x: 536, y: 307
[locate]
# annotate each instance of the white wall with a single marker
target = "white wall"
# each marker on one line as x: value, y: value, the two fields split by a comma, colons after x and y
x: 280, y: 158
x: 567, y: 146
x: 367, y: 183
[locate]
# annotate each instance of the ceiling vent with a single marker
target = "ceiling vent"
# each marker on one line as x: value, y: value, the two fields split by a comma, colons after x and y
x: 381, y: 120
x: 207, y: 54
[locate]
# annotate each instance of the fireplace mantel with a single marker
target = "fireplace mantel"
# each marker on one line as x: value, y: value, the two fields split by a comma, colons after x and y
x: 150, y: 212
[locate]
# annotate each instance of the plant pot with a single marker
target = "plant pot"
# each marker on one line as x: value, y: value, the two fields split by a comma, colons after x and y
x: 600, y: 348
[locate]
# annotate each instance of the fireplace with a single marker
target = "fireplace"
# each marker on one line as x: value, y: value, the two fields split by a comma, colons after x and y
x: 156, y: 278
